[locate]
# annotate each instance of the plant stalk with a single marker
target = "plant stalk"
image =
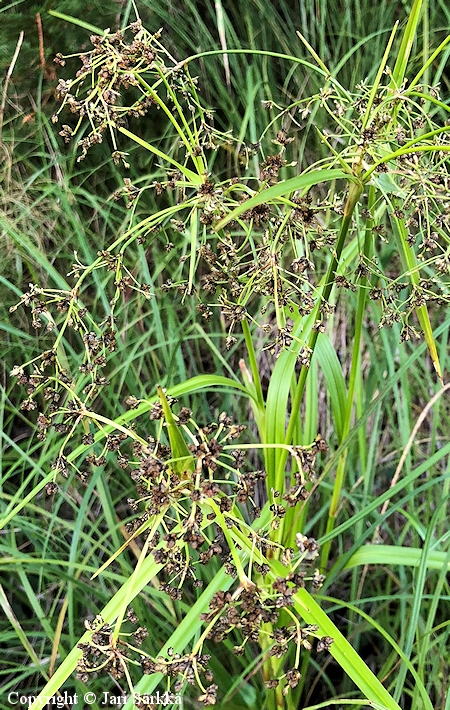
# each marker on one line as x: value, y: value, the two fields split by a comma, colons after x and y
x: 355, y: 191
x: 354, y: 368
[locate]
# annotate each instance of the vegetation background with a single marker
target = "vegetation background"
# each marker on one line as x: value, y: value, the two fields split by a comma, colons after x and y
x: 52, y: 206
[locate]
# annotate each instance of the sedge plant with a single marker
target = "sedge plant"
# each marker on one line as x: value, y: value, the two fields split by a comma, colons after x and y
x: 218, y: 522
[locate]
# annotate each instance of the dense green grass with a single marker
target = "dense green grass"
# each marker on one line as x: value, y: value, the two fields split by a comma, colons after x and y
x: 379, y: 504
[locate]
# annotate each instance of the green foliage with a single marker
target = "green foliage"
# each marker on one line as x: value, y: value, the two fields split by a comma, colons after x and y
x: 247, y: 283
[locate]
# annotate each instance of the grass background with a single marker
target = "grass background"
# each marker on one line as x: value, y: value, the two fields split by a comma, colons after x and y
x: 51, y: 206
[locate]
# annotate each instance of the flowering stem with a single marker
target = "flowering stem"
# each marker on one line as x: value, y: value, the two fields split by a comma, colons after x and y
x: 354, y: 369
x: 355, y: 192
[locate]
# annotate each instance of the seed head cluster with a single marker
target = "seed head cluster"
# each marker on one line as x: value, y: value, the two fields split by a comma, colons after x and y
x: 214, y: 476
x: 239, y: 277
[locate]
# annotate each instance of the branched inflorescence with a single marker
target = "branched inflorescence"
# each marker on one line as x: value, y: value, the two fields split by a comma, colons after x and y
x: 198, y: 502
x: 279, y: 272
x: 212, y: 485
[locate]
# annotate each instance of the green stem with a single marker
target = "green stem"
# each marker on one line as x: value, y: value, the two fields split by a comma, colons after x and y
x: 354, y: 369
x: 352, y: 200
x: 410, y: 148
x: 131, y: 234
x: 184, y: 139
x: 273, y: 55
x: 253, y: 363
x: 220, y: 521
